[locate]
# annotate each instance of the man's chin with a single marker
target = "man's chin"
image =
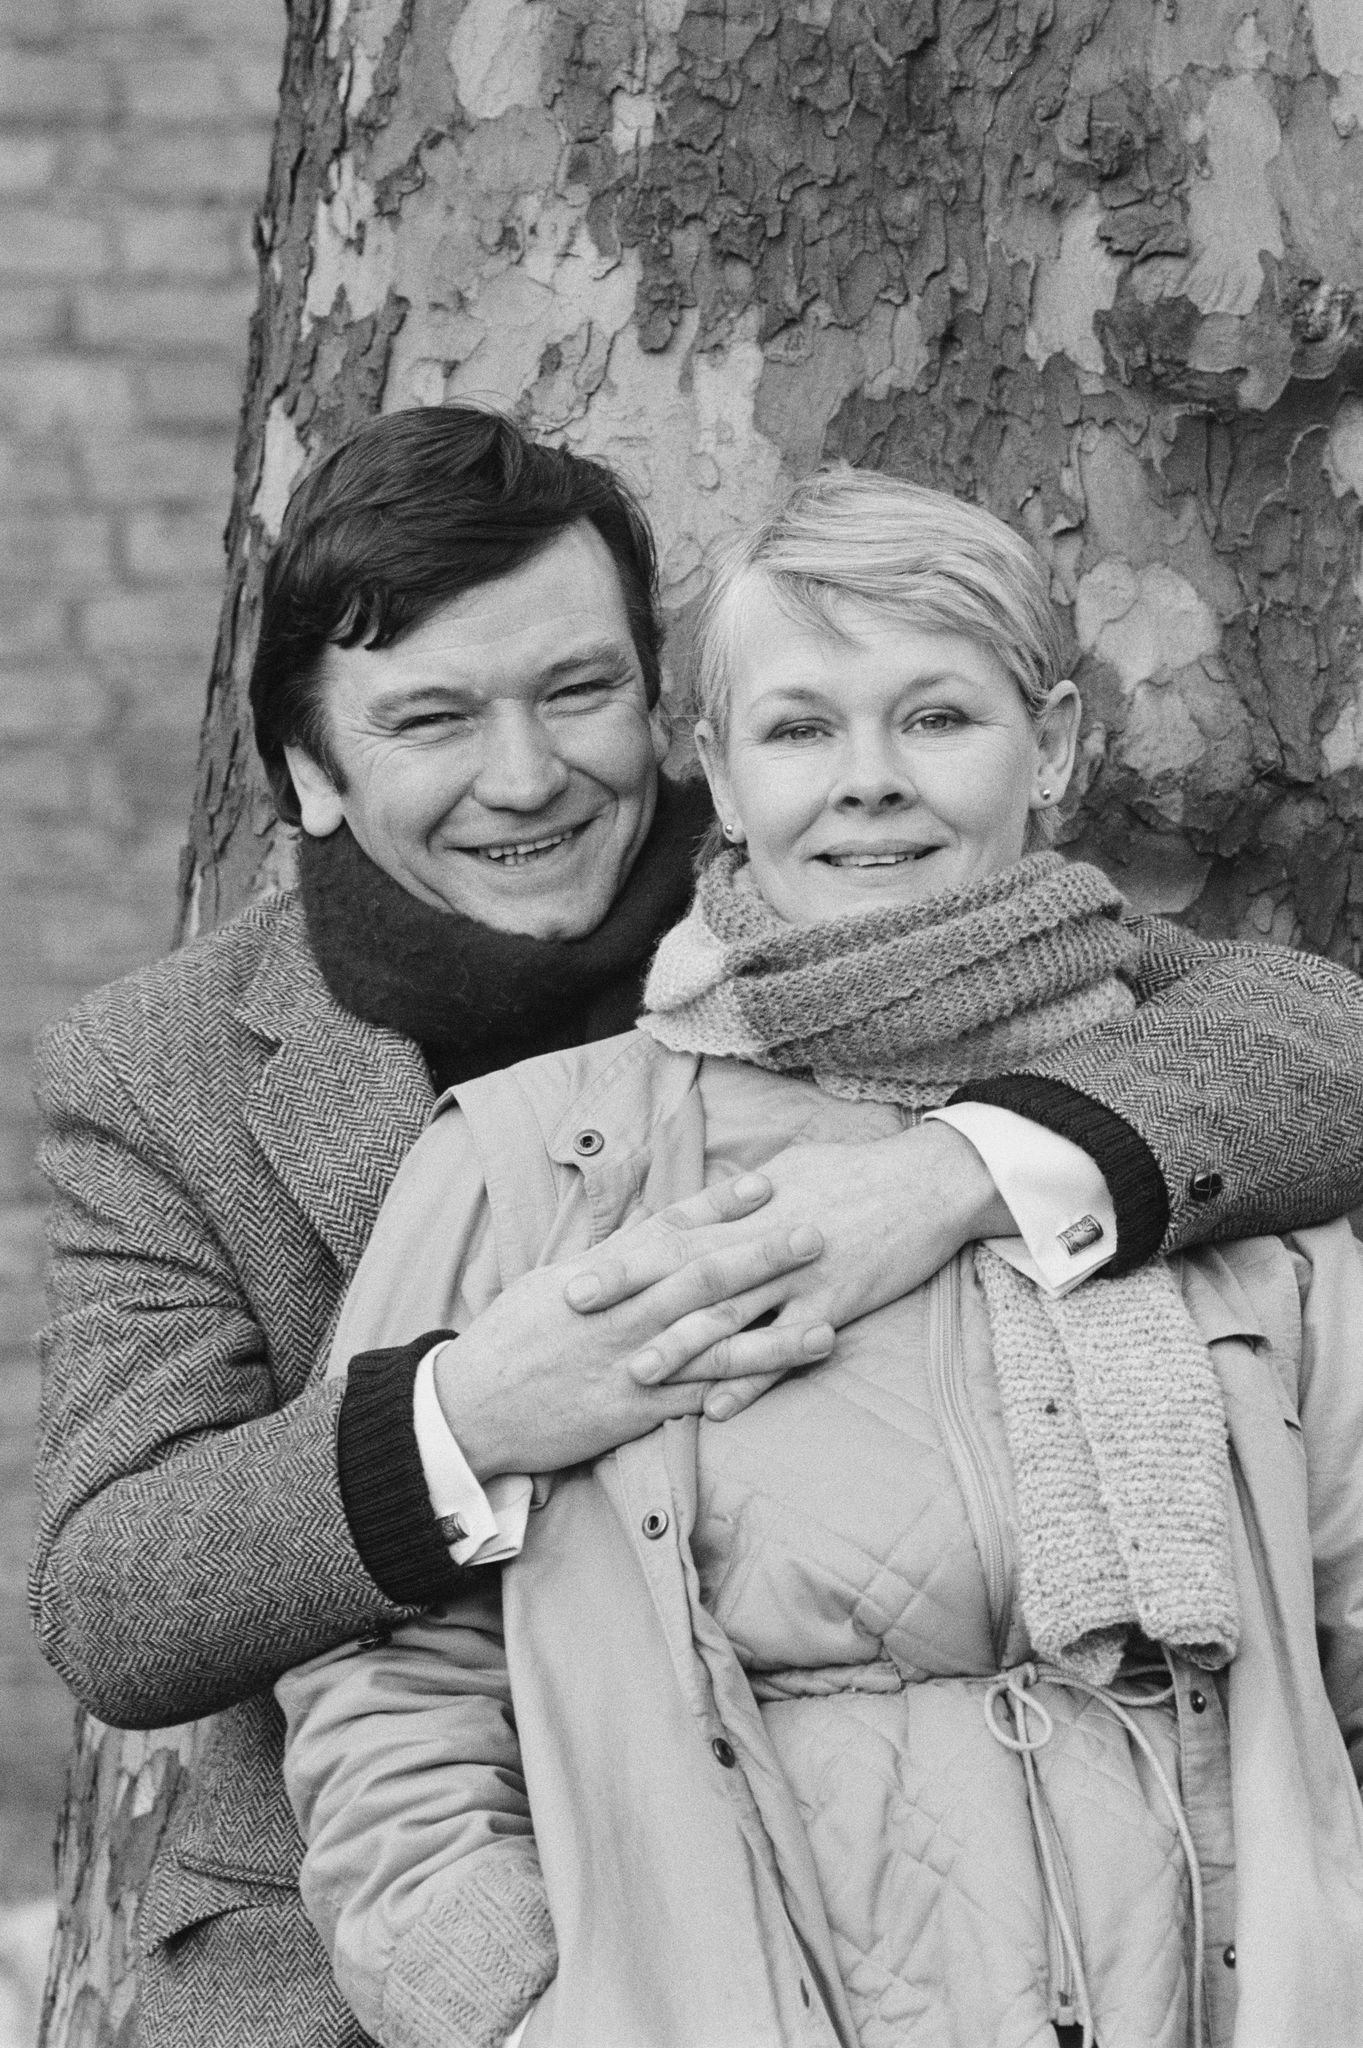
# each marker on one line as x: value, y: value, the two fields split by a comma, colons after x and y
x: 529, y: 907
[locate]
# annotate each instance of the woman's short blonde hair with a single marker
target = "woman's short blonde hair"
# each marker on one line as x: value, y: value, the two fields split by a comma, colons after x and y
x: 901, y: 550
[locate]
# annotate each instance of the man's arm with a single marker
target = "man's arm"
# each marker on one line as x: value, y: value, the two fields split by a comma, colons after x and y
x: 1230, y: 1105
x: 192, y: 1538
x: 198, y: 1531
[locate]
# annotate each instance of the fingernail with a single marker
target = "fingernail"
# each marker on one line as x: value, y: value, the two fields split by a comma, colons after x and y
x: 749, y: 1187
x: 582, y: 1290
x: 648, y: 1368
x: 818, y: 1341
x: 719, y: 1407
x: 805, y: 1241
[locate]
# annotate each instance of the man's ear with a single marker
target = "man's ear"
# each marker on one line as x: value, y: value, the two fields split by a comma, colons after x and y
x: 1057, y: 739
x: 660, y: 730
x: 320, y: 805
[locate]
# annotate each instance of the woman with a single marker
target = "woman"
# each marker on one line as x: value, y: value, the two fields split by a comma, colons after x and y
x: 991, y: 1680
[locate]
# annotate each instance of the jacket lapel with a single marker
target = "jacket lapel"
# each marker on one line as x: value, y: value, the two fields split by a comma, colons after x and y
x: 338, y: 1102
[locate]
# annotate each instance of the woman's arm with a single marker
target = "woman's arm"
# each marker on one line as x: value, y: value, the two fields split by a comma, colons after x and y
x: 1330, y: 1406
x: 420, y: 1869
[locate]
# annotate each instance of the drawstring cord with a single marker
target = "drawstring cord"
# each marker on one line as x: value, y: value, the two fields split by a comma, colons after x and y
x: 1014, y: 1686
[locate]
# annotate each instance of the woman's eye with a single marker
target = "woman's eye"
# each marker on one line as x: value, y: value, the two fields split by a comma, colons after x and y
x: 801, y: 729
x: 936, y: 721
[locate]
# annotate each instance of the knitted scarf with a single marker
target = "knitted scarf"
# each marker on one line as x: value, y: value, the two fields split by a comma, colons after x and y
x: 1111, y: 1405
x: 475, y: 999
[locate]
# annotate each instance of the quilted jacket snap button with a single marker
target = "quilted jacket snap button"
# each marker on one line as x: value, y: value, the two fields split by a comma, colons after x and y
x: 654, y: 1524
x: 1204, y: 1187
x: 588, y: 1143
x: 724, y: 1752
x: 1198, y: 1702
x: 1229, y: 1957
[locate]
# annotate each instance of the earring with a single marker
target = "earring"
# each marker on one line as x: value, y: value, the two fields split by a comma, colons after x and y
x: 731, y: 832
x: 1045, y: 796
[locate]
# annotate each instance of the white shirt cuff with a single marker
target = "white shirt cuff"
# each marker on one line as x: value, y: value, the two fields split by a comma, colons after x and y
x: 1067, y: 1225
x: 483, y: 1525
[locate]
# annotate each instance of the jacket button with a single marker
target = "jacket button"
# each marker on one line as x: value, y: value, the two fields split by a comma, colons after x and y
x: 1204, y: 1187
x: 1198, y: 1702
x: 588, y: 1143
x: 1229, y: 1957
x: 654, y: 1524
x: 724, y: 1752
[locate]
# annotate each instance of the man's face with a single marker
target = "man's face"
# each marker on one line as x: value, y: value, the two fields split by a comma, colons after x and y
x: 501, y: 760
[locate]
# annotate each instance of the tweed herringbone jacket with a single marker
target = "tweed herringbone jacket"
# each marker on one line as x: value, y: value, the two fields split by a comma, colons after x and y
x: 219, y: 1138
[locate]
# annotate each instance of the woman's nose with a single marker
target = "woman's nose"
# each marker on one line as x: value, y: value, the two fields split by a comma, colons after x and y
x: 520, y: 767
x: 872, y: 777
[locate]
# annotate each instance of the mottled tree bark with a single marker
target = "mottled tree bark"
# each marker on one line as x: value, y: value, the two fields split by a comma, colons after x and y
x: 1095, y: 263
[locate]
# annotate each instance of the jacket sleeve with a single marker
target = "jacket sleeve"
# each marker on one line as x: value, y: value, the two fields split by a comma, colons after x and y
x: 1330, y: 1406
x: 420, y: 1871
x: 1230, y: 1105
x: 193, y: 1539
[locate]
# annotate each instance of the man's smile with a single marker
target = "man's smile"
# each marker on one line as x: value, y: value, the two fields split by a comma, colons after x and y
x: 521, y: 852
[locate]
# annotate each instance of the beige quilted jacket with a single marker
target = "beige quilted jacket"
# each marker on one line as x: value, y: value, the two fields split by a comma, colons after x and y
x: 767, y: 1807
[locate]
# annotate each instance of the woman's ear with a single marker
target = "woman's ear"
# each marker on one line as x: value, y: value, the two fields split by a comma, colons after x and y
x: 712, y: 761
x: 1057, y: 739
x: 319, y: 801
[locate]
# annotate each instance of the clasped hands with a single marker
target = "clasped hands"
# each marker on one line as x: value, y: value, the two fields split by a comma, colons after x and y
x: 709, y: 1302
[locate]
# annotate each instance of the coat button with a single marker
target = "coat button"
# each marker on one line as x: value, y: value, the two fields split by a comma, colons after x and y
x: 588, y: 1143
x: 654, y: 1524
x: 1198, y: 1701
x: 723, y: 1752
x: 1229, y: 1957
x: 1204, y: 1187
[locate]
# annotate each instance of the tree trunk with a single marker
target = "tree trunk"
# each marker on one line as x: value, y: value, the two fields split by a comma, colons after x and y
x: 1095, y: 263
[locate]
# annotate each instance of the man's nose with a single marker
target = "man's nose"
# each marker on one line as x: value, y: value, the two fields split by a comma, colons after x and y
x: 520, y: 768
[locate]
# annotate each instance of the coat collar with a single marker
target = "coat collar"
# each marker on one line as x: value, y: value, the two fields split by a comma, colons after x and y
x: 337, y: 1102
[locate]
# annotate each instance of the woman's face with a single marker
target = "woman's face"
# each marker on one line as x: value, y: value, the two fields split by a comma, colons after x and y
x: 880, y: 764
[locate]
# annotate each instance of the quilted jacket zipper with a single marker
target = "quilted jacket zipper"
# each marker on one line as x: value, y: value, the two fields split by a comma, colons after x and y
x: 984, y: 1508
x: 974, y: 1472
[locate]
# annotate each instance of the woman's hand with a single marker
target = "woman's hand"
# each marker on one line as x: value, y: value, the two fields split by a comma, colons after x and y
x: 890, y: 1212
x: 533, y: 1384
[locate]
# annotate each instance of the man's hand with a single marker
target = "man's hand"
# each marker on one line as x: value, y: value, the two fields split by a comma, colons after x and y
x: 532, y: 1385
x: 890, y: 1212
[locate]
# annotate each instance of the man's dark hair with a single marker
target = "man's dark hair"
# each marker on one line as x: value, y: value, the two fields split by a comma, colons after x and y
x: 404, y: 517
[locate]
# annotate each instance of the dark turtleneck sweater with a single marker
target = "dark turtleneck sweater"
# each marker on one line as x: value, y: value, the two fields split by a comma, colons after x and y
x: 475, y: 999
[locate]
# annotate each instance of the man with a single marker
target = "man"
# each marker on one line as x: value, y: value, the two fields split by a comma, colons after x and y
x: 456, y: 694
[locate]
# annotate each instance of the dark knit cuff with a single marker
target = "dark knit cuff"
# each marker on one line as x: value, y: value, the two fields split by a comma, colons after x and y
x: 1116, y: 1148
x: 383, y: 1486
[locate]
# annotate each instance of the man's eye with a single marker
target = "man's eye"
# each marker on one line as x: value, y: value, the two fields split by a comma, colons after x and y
x: 576, y: 693
x: 432, y: 721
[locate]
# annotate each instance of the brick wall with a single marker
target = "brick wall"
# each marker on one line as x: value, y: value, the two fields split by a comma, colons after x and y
x: 133, y: 141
